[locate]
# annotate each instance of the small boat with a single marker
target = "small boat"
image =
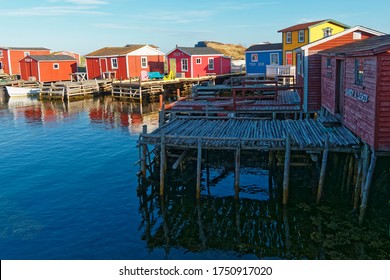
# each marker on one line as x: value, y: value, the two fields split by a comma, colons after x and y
x: 22, y: 91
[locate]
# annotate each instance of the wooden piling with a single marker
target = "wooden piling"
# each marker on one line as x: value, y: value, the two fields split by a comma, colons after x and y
x: 345, y: 172
x: 323, y: 170
x: 162, y: 165
x: 366, y: 188
x: 199, y: 168
x: 350, y: 171
x: 286, y: 176
x: 237, y: 169
x: 143, y: 153
x: 358, y: 182
x: 178, y: 93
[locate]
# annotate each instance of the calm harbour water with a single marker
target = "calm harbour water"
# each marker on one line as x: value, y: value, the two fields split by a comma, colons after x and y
x: 69, y: 191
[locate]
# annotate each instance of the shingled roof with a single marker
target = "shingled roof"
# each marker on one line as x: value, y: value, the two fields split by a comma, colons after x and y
x: 373, y: 45
x: 265, y: 47
x: 199, y: 51
x: 303, y: 26
x: 51, y: 57
x: 107, y: 51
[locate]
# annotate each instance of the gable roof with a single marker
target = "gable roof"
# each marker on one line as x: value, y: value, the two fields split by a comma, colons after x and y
x: 346, y: 31
x: 307, y: 25
x: 199, y: 51
x: 51, y: 57
x: 121, y: 51
x: 265, y: 47
x: 371, y: 45
x: 25, y: 49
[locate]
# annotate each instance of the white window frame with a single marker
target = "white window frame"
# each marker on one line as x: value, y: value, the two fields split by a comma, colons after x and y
x: 26, y: 54
x: 1, y: 53
x: 184, y: 64
x: 327, y: 32
x: 199, y: 60
x: 288, y: 37
x: 114, y: 63
x: 254, y: 57
x: 292, y: 60
x: 56, y: 66
x: 144, y: 62
x: 210, y: 65
x: 301, y: 36
x: 271, y: 60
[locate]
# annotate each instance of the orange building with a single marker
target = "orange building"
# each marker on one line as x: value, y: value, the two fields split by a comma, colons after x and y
x: 10, y: 57
x: 48, y: 68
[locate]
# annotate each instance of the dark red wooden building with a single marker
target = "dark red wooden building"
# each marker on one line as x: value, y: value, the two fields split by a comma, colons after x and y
x: 198, y: 62
x: 124, y: 62
x: 10, y: 57
x: 308, y: 69
x: 48, y: 68
x: 356, y: 88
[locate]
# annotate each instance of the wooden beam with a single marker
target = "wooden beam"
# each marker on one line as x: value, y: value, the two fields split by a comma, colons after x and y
x: 286, y: 176
x: 199, y: 168
x: 177, y: 162
x: 323, y: 170
x: 365, y: 190
x: 162, y: 165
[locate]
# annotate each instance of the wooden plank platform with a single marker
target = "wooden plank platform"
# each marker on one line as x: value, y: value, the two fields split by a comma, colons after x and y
x: 251, y: 134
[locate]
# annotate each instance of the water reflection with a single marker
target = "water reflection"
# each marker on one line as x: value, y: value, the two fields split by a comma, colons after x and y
x: 102, y: 110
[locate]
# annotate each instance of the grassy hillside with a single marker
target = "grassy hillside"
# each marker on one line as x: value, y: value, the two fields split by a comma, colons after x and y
x: 233, y: 50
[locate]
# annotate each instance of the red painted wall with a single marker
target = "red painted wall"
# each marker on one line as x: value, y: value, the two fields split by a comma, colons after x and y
x: 12, y: 66
x: 314, y: 68
x: 47, y: 73
x: 155, y: 63
x: 93, y: 68
x: 383, y: 105
x: 178, y: 56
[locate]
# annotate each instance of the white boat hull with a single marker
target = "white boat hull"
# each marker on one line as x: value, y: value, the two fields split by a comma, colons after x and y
x: 21, y: 91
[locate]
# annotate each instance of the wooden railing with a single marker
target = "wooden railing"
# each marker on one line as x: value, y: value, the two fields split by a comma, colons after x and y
x: 279, y: 70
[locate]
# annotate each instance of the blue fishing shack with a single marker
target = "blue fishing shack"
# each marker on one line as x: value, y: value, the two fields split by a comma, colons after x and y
x: 258, y: 56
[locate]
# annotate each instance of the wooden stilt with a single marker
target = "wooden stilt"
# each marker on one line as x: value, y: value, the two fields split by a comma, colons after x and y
x: 178, y: 93
x: 237, y: 169
x: 286, y: 177
x: 162, y: 166
x: 179, y: 160
x: 143, y: 153
x: 323, y: 170
x: 161, y: 118
x: 366, y: 188
x: 199, y: 168
x: 350, y: 171
x: 345, y: 172
x: 358, y: 182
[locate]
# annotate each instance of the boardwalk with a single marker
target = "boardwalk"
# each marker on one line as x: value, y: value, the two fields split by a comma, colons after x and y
x: 252, y: 134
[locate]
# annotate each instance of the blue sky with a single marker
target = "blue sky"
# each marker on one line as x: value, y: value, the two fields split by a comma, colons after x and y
x: 87, y: 25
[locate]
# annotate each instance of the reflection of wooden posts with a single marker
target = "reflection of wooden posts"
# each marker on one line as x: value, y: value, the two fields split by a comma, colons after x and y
x: 162, y: 165
x: 237, y: 170
x: 140, y: 97
x: 178, y: 93
x: 366, y: 188
x: 199, y: 168
x: 286, y: 176
x: 323, y: 170
x: 161, y: 117
x: 143, y: 152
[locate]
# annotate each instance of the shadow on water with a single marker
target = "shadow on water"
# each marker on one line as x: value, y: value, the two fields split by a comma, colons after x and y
x: 256, y: 223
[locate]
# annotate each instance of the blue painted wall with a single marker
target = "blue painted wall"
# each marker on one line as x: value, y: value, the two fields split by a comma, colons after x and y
x: 264, y: 59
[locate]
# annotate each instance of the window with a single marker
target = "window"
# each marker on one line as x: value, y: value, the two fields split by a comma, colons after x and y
x: 1, y: 65
x: 26, y: 53
x: 144, y: 62
x: 114, y: 63
x: 198, y: 61
x: 299, y: 64
x: 301, y: 36
x: 327, y: 32
x: 274, y: 59
x: 289, y: 58
x: 184, y: 65
x: 288, y: 38
x: 56, y: 66
x: 1, y: 53
x: 357, y: 35
x: 328, y: 63
x: 211, y: 63
x: 254, y: 57
x: 359, y: 71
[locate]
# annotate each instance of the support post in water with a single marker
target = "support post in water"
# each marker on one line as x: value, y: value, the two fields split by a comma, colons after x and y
x: 286, y: 176
x: 323, y: 170
x: 367, y: 185
x: 162, y: 165
x: 237, y: 169
x: 143, y: 152
x: 199, y: 168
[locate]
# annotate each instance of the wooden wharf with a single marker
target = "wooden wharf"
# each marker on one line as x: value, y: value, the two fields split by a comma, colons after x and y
x: 68, y: 90
x: 185, y: 136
